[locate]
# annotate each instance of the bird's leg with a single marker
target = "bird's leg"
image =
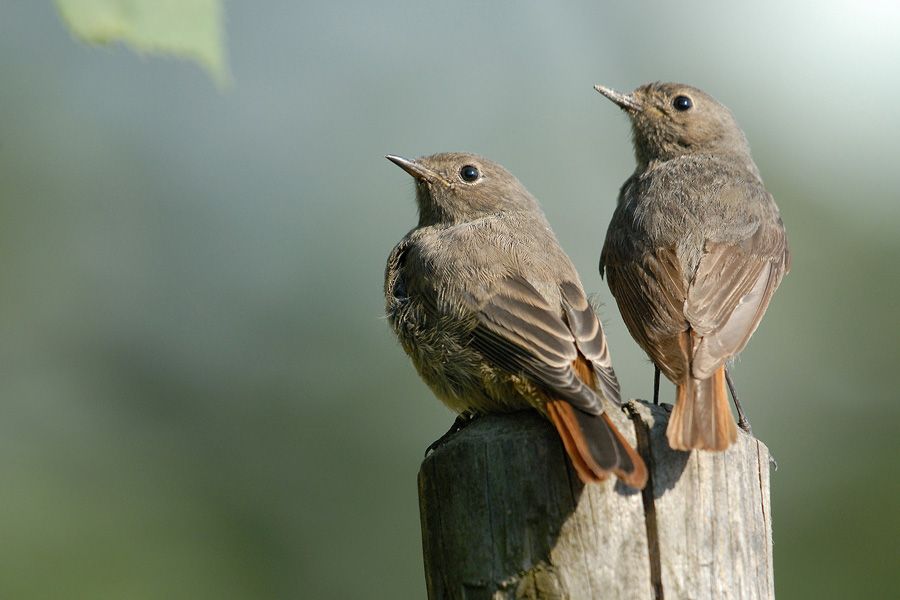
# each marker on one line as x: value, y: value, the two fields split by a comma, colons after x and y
x: 462, y: 420
x: 655, y: 385
x: 743, y: 421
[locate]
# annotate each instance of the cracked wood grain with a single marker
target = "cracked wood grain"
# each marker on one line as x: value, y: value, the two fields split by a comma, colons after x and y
x: 504, y: 517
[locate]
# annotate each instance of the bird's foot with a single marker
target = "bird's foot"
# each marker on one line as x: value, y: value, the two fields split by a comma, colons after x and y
x: 461, y: 422
x: 743, y: 421
x: 655, y: 385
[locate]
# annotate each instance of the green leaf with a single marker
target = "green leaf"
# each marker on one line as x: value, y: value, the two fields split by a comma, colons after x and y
x: 185, y: 28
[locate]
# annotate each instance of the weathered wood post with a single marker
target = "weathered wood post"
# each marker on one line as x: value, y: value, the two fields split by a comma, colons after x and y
x: 505, y: 517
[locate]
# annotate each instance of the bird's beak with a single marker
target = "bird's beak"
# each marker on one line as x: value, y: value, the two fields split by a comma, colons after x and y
x: 415, y: 169
x: 625, y: 101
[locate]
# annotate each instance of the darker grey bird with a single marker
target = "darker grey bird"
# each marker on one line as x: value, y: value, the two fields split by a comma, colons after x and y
x: 493, y: 315
x: 694, y: 252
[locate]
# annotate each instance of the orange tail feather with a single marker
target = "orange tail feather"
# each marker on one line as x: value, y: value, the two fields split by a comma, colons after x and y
x: 701, y: 419
x: 595, y: 446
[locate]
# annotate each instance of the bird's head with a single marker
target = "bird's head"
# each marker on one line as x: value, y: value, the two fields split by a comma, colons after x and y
x: 456, y: 187
x: 673, y: 119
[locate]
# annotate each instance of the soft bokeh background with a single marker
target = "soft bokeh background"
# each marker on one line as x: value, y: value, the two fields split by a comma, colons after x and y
x: 199, y: 396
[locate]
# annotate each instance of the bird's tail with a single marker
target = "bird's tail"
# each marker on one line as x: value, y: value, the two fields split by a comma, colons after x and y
x: 701, y: 419
x: 595, y: 447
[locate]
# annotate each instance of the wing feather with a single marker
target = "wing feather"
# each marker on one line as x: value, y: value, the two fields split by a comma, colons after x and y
x: 731, y: 291
x: 519, y: 330
x: 589, y: 338
x: 722, y: 302
x: 651, y: 292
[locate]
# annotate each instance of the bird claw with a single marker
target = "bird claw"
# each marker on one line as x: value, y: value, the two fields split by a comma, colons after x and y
x: 461, y: 422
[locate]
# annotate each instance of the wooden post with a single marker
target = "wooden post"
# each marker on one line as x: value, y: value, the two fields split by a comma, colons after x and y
x: 505, y: 517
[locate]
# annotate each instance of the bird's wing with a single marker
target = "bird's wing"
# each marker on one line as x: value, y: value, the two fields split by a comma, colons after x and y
x: 518, y: 330
x: 730, y: 292
x: 650, y: 290
x: 395, y: 290
x: 562, y: 352
x: 589, y: 337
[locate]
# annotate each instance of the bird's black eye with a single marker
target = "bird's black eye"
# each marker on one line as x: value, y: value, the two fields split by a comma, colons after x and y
x: 682, y: 103
x: 469, y: 173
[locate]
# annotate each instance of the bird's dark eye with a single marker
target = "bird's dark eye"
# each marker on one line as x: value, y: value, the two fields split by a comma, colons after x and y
x: 469, y: 173
x: 682, y: 103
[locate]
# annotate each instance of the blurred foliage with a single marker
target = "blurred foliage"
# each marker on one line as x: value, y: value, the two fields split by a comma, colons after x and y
x: 199, y: 396
x: 187, y: 28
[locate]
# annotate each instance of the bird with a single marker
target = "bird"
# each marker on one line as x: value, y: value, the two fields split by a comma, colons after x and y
x: 494, y: 317
x: 694, y: 252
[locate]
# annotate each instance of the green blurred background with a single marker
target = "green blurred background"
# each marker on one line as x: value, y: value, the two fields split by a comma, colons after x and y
x: 200, y: 395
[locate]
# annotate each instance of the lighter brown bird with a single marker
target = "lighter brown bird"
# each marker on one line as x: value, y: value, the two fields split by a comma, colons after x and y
x: 695, y: 250
x: 493, y: 315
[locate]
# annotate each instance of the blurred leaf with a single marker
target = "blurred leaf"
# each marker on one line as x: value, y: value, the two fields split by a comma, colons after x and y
x: 185, y: 28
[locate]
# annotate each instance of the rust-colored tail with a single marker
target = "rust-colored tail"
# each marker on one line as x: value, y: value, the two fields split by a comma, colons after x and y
x: 702, y: 418
x: 595, y: 447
